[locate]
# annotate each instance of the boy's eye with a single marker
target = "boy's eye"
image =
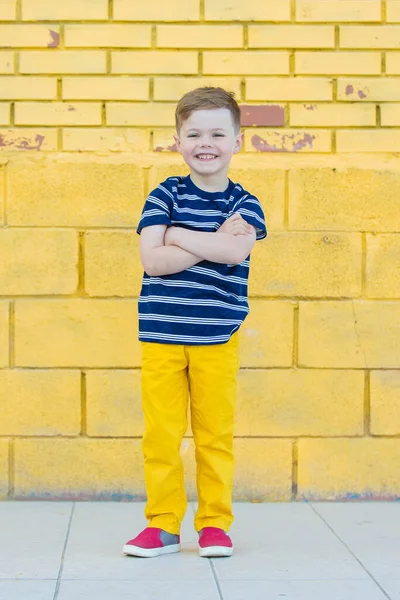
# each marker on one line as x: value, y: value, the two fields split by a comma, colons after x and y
x: 218, y: 135
x: 192, y: 135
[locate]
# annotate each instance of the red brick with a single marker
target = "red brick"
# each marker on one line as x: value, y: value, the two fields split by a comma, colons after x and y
x: 262, y: 115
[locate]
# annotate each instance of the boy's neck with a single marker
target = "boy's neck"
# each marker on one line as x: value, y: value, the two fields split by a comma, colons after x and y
x: 217, y: 183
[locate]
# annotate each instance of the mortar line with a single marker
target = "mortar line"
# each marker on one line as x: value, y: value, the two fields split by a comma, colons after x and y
x: 351, y: 552
x: 56, y: 591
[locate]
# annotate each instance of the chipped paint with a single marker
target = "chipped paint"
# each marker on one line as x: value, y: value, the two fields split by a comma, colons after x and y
x: 55, y: 39
x: 22, y: 143
x: 349, y: 90
x: 361, y: 94
x: 171, y: 148
x: 287, y: 143
x: 71, y: 108
x: 310, y: 106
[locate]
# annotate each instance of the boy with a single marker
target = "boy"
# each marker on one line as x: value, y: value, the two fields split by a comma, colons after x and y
x: 196, y: 236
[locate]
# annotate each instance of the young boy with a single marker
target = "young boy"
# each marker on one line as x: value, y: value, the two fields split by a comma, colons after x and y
x: 196, y: 236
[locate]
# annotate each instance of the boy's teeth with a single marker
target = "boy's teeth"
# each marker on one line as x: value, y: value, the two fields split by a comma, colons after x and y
x: 206, y: 156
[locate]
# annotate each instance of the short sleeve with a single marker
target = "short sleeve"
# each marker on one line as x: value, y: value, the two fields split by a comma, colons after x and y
x: 250, y: 209
x: 157, y: 208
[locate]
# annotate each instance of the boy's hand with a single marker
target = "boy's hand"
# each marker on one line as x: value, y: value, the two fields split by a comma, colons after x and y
x: 169, y: 236
x: 236, y: 225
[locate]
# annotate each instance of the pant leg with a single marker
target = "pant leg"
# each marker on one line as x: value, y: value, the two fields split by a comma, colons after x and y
x: 212, y: 375
x: 165, y: 404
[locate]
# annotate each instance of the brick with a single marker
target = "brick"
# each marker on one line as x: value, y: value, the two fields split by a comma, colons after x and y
x: 168, y: 88
x: 28, y: 88
x: 140, y: 114
x: 44, y: 403
x: 371, y: 140
x: 79, y: 469
x: 383, y: 274
x: 112, y: 262
x: 390, y: 115
x: 4, y: 461
x: 4, y: 113
x: 358, y: 334
x: 29, y: 36
x: 74, y: 10
x: 163, y: 140
x: 338, y: 63
x: 385, y: 402
x: 332, y: 268
x: 4, y: 327
x: 114, y: 404
x: 105, y: 88
x: 8, y: 9
x: 262, y: 115
x: 283, y: 88
x: 200, y: 36
x: 288, y: 140
x: 348, y: 469
x: 252, y: 10
x: 76, y: 333
x: 57, y: 113
x: 339, y: 207
x: 263, y: 470
x: 332, y: 115
x: 268, y: 185
x: 149, y: 62
x: 370, y: 36
x: 157, y: 10
x: 44, y: 140
x: 291, y: 36
x: 297, y: 402
x: 77, y: 193
x: 266, y: 336
x: 6, y: 63
x: 110, y: 35
x: 393, y: 64
x: 50, y: 269
x: 371, y: 89
x: 105, y: 139
x: 248, y: 62
x: 393, y: 11
x: 63, y: 61
x: 337, y: 10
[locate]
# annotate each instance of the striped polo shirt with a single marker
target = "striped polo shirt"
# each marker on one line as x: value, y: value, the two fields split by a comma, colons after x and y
x: 206, y: 303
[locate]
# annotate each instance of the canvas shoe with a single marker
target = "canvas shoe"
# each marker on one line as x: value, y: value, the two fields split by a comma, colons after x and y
x: 214, y: 542
x: 151, y: 542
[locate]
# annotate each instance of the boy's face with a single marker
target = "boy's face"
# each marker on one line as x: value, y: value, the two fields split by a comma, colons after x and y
x: 207, y: 141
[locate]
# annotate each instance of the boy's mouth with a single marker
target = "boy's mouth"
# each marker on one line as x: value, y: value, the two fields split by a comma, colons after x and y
x: 206, y: 157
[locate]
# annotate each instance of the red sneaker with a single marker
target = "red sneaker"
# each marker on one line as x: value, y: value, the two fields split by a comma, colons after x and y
x: 151, y: 542
x: 213, y: 542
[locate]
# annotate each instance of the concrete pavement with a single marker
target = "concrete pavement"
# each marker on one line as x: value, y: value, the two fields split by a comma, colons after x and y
x: 290, y: 551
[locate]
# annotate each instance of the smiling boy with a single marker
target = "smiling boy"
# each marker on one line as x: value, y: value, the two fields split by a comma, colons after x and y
x: 197, y: 233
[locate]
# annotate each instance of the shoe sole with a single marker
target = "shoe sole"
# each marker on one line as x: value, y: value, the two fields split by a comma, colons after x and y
x: 150, y: 552
x: 215, y: 551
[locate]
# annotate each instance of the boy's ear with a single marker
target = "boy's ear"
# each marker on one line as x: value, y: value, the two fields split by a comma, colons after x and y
x: 239, y: 142
x: 177, y: 143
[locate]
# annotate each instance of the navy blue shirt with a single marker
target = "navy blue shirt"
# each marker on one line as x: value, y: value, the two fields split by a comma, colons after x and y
x: 206, y: 303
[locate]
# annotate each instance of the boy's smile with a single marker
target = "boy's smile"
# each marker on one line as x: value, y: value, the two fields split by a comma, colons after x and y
x: 207, y: 141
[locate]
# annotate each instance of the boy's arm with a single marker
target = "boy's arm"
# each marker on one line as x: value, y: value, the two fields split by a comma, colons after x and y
x: 158, y: 259
x: 217, y: 247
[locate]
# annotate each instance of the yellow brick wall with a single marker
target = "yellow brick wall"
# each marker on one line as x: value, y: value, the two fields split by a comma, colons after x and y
x: 87, y: 96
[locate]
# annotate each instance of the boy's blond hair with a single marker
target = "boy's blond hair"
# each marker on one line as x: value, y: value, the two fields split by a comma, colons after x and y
x: 206, y: 98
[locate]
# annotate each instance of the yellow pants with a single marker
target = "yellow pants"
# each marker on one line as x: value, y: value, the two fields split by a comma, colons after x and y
x: 170, y: 374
